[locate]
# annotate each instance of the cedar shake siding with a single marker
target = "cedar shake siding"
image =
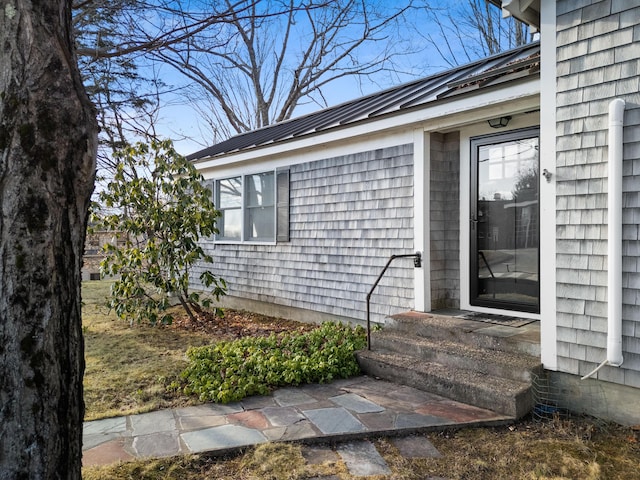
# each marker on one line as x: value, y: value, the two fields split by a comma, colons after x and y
x: 445, y: 225
x: 348, y: 215
x: 598, y: 52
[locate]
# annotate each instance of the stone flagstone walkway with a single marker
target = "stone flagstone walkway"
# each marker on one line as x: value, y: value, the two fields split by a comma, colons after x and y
x: 345, y: 411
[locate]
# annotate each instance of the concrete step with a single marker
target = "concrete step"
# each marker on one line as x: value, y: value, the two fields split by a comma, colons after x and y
x: 478, y: 334
x: 478, y: 363
x: 485, y: 361
x: 502, y: 395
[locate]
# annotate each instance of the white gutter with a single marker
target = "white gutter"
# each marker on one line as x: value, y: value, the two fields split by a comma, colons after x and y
x: 614, y: 251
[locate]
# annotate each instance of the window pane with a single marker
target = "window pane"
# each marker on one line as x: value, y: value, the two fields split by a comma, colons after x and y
x: 260, y: 190
x: 261, y: 223
x: 230, y: 193
x: 230, y: 224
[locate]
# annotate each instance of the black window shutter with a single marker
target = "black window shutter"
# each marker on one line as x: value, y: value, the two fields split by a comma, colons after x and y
x: 210, y: 185
x: 282, y: 206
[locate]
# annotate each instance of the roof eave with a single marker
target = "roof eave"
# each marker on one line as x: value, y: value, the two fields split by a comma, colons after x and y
x: 527, y: 11
x: 497, y: 68
x: 461, y: 95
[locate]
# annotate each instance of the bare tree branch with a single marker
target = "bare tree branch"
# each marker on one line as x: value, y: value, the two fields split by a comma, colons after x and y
x: 470, y: 30
x: 175, y: 25
x: 277, y: 53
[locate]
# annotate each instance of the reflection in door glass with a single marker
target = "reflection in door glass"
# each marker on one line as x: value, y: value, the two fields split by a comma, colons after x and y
x: 505, y: 215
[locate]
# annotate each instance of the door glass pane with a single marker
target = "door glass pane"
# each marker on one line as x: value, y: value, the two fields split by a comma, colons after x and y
x: 506, y: 225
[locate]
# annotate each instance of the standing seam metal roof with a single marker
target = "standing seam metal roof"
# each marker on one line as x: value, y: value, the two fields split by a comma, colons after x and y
x: 489, y: 71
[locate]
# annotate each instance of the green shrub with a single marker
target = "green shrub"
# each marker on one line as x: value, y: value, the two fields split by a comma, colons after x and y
x: 229, y: 371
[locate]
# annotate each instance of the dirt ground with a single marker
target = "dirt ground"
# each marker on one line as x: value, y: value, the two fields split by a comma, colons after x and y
x: 236, y: 324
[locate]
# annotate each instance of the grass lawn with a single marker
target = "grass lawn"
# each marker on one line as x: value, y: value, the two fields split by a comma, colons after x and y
x: 129, y: 369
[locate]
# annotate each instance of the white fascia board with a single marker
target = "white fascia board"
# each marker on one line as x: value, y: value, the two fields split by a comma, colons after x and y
x: 441, y: 116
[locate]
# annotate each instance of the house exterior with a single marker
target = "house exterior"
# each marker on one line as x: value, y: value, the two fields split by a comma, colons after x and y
x: 496, y: 172
x: 93, y: 253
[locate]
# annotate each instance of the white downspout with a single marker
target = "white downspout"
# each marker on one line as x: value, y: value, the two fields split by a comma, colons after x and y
x: 614, y: 250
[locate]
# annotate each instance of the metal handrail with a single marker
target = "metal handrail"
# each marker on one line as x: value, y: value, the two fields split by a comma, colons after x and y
x: 417, y: 263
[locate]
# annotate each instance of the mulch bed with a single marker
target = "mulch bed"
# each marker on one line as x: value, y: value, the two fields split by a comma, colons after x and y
x: 237, y: 324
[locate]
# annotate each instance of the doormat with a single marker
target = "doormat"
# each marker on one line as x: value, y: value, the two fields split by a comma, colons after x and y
x: 505, y: 320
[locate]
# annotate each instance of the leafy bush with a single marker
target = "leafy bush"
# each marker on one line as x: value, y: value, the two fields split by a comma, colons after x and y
x: 229, y: 371
x: 158, y: 209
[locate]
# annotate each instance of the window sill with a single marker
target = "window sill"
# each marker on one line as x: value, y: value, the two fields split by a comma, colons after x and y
x: 240, y: 242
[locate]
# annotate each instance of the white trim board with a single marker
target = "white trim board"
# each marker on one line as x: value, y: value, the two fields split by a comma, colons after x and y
x: 548, y: 329
x: 421, y: 218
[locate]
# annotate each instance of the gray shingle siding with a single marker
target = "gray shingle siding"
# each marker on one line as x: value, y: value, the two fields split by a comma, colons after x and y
x: 348, y: 215
x: 445, y: 227
x: 598, y: 60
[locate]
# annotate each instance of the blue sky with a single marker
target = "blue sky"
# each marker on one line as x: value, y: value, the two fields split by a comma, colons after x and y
x: 180, y: 122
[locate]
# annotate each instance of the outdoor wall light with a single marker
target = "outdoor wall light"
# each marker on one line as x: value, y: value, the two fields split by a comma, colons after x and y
x: 499, y: 122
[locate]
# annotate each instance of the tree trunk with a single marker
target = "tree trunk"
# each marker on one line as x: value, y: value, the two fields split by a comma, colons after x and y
x: 47, y: 165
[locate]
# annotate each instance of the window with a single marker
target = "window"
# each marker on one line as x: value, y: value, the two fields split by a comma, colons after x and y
x: 254, y: 207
